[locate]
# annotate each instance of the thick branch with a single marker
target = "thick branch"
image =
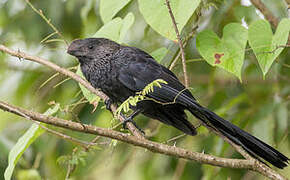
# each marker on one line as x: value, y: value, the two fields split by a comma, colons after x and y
x: 141, y: 142
x: 152, y: 146
x: 74, y: 76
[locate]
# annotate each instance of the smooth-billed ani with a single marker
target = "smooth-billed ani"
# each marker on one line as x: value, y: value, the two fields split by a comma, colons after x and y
x: 121, y: 71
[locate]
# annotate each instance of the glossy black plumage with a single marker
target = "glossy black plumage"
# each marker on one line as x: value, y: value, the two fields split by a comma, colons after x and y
x: 121, y: 71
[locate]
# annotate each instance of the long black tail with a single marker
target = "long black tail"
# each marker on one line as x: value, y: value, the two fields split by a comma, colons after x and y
x: 251, y: 144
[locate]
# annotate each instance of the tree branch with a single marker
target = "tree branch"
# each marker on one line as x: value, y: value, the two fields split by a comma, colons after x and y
x: 150, y: 145
x: 137, y: 139
x: 141, y: 142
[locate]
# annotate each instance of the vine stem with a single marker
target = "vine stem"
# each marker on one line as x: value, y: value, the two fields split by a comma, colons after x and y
x: 180, y: 44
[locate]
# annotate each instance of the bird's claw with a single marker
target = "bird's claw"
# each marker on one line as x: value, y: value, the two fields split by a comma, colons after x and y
x: 108, y: 103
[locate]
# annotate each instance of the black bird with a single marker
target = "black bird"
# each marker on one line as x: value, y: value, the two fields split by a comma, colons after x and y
x: 121, y: 71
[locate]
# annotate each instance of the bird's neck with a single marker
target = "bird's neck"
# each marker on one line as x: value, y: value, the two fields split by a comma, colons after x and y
x: 96, y: 71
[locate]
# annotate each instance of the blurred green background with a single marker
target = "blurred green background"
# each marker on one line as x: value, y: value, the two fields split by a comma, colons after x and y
x: 260, y: 106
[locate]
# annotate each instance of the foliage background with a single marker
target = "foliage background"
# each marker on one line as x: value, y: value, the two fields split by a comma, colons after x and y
x: 260, y: 106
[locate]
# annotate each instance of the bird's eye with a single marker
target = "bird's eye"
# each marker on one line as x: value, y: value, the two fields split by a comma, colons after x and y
x: 91, y: 47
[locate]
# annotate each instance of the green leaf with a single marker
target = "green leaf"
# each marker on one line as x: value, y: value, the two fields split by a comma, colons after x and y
x: 116, y: 29
x: 264, y: 44
x: 157, y: 16
x: 91, y: 97
x: 111, y: 30
x: 228, y: 52
x: 18, y: 149
x: 159, y: 54
x: 127, y: 23
x: 109, y: 8
x: 24, y: 142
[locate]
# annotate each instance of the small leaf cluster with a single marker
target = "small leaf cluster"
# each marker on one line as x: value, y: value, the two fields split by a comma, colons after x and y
x: 141, y: 95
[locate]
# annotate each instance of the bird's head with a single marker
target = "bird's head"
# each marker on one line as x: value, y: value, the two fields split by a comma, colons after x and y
x: 92, y: 49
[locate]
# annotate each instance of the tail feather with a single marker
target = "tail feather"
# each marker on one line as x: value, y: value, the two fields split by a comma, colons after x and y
x: 251, y: 144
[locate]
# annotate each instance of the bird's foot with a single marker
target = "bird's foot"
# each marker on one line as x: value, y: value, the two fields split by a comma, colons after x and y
x: 108, y: 103
x: 129, y: 119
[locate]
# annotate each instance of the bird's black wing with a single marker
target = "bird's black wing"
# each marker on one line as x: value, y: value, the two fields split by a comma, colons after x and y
x: 142, y: 69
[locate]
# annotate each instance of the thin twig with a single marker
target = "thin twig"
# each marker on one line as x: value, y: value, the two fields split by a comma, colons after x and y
x: 71, y: 166
x: 55, y: 75
x: 47, y: 37
x: 81, y: 143
x: 98, y: 137
x: 49, y: 79
x: 276, y: 48
x: 179, y: 42
x: 175, y: 61
x: 40, y: 13
x: 61, y: 82
x: 92, y: 142
x: 190, y: 35
x: 36, y: 162
x: 174, y: 138
x: 284, y: 64
x: 179, y: 169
